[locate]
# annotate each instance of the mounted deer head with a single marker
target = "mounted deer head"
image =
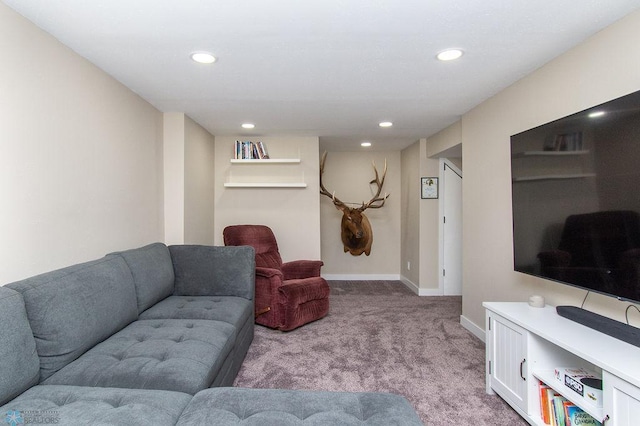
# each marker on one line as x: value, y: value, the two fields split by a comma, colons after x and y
x: 356, y: 232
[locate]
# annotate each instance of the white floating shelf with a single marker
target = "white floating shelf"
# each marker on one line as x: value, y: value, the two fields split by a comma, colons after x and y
x: 553, y: 177
x: 265, y: 161
x: 549, y: 153
x: 265, y: 185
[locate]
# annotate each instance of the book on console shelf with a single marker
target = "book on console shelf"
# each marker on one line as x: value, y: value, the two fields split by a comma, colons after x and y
x: 575, y: 416
x: 556, y: 410
x: 546, y: 403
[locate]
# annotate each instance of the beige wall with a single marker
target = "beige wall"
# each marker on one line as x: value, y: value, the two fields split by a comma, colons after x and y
x: 199, y: 197
x: 80, y: 157
x: 445, y: 141
x: 292, y: 213
x: 188, y: 181
x: 410, y: 266
x: 430, y: 214
x: 174, y: 176
x: 420, y: 224
x: 348, y: 174
x: 604, y: 67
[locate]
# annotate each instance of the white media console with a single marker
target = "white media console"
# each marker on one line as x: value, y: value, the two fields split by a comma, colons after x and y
x: 525, y: 344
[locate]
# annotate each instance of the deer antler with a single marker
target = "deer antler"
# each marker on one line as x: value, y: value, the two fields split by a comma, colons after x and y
x: 379, y: 182
x: 371, y: 204
x: 323, y: 190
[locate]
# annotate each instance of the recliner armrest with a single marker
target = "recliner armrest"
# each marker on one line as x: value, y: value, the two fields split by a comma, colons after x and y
x: 299, y: 269
x: 262, y: 271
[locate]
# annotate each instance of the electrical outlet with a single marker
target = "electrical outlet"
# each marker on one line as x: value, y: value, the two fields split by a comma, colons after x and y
x: 408, y: 266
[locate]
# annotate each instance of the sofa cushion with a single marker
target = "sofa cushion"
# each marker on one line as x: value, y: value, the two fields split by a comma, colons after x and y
x: 213, y: 270
x: 152, y: 272
x: 19, y: 363
x: 73, y: 405
x: 238, y: 406
x: 72, y: 309
x: 171, y: 354
x: 233, y: 310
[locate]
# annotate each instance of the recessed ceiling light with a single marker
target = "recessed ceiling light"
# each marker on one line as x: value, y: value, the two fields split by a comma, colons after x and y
x: 596, y: 114
x: 449, y: 54
x: 365, y: 144
x: 385, y: 124
x: 248, y: 125
x: 203, y: 57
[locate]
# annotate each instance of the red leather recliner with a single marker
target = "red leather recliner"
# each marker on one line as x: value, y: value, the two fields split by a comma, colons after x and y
x: 288, y: 294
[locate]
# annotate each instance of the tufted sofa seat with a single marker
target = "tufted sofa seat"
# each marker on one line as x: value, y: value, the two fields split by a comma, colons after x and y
x: 180, y: 355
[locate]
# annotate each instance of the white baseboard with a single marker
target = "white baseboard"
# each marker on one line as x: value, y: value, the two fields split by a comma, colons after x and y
x: 410, y: 285
x: 473, y: 328
x: 361, y: 277
x: 389, y: 277
x: 420, y: 291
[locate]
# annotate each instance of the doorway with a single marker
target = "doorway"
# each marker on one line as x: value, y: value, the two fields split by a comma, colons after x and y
x: 451, y: 221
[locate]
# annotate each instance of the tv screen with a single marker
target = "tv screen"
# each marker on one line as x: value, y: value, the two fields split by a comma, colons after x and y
x: 576, y: 199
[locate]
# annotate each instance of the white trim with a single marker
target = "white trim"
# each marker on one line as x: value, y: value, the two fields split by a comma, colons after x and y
x: 386, y: 277
x: 410, y: 284
x: 361, y: 277
x: 417, y: 290
x: 473, y: 328
x: 420, y: 291
x: 430, y: 292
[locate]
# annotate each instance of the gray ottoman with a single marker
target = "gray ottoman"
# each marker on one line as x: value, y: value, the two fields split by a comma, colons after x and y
x: 264, y: 407
x: 76, y: 405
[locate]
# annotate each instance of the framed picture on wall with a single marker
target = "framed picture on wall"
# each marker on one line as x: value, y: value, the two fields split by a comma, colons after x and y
x: 429, y: 186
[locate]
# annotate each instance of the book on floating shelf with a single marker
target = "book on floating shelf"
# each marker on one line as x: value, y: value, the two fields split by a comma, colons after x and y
x: 248, y: 150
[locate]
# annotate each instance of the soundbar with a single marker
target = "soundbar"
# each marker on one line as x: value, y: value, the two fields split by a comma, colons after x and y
x: 608, y: 326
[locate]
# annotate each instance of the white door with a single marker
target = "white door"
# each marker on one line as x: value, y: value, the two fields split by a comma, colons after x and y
x: 452, y: 232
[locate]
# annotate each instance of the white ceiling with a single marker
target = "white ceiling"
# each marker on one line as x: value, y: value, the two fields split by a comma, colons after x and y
x: 328, y: 68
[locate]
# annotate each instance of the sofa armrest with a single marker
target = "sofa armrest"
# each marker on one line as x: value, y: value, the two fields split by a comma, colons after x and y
x: 214, y: 270
x: 299, y: 269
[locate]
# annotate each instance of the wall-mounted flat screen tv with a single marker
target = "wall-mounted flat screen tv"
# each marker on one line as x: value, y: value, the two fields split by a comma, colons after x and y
x: 576, y: 199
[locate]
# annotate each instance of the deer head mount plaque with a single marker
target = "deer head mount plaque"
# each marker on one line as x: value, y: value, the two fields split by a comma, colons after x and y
x: 356, y: 232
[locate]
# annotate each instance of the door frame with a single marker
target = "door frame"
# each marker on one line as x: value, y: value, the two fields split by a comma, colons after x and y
x: 443, y: 162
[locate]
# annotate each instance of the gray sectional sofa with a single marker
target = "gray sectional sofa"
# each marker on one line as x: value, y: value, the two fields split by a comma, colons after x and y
x: 154, y: 335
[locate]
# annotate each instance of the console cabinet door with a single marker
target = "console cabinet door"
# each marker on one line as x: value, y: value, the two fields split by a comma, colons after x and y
x: 507, y: 361
x: 621, y: 401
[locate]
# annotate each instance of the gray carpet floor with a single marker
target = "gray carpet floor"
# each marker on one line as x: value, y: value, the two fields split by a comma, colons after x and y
x: 381, y: 337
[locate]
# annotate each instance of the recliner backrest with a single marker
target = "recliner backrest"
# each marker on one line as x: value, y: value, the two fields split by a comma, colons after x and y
x: 261, y: 238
